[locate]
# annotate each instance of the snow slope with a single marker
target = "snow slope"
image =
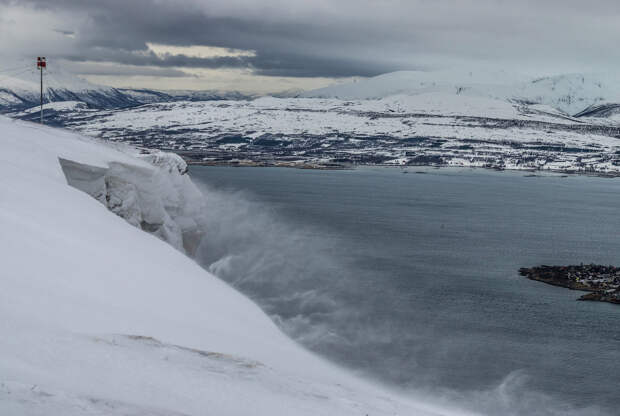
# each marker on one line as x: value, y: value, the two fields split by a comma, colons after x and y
x: 101, y: 318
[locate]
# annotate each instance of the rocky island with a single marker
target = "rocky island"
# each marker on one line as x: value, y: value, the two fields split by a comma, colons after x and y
x: 603, y: 282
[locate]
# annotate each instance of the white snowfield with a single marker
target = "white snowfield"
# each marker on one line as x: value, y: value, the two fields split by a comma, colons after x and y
x: 101, y: 318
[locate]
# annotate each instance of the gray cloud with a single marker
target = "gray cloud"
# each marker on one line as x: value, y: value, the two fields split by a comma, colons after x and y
x: 268, y: 63
x: 345, y: 37
x: 91, y: 68
x: 65, y: 32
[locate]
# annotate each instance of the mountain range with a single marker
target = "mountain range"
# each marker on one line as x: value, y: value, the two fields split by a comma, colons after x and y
x: 21, y: 90
x: 570, y: 93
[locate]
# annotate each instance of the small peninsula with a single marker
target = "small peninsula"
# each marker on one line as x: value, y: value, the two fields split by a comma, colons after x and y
x: 603, y: 282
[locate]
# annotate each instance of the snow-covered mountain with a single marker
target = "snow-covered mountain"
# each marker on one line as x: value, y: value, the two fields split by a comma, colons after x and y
x: 147, y: 96
x: 21, y: 90
x: 571, y: 93
x: 100, y: 317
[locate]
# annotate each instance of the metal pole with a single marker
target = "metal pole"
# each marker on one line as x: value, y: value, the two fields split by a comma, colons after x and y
x: 41, y: 69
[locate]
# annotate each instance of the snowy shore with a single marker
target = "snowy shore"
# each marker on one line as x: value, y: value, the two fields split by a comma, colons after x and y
x: 100, y: 317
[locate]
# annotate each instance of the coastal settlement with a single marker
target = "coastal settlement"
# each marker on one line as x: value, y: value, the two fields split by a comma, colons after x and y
x: 603, y: 282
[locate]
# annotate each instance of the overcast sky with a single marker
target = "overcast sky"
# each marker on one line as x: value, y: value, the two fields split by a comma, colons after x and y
x: 272, y: 45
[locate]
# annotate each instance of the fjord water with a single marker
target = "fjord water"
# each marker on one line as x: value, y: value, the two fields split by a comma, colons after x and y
x: 412, y: 279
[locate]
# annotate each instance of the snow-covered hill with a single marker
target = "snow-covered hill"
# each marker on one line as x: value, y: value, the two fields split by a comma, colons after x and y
x: 102, y: 318
x: 571, y: 93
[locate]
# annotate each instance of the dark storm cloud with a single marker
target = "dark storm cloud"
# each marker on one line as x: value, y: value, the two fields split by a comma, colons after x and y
x: 268, y: 63
x: 339, y: 38
x: 117, y: 31
x: 148, y: 58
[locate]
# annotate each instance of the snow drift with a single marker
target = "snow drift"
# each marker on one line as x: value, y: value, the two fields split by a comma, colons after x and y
x: 100, y: 317
x: 159, y: 199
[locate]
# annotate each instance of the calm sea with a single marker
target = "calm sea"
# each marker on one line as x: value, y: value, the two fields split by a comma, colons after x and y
x: 412, y: 278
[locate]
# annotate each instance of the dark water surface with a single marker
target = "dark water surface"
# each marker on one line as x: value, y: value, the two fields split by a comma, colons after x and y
x: 412, y: 278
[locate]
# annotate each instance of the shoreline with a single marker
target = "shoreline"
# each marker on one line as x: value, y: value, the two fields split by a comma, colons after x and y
x: 530, y: 172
